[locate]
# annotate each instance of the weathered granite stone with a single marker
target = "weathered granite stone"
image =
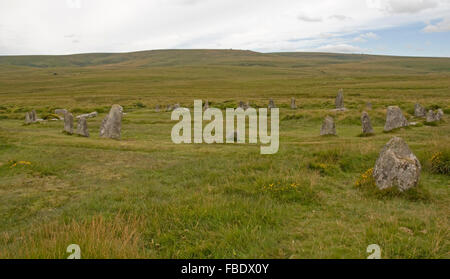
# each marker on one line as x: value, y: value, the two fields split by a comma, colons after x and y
x: 82, y: 128
x: 28, y: 118
x: 293, y: 105
x: 88, y: 115
x: 419, y: 111
x: 328, y: 127
x: 271, y: 104
x: 68, y: 123
x: 394, y: 119
x: 112, y: 124
x: 439, y: 114
x: 339, y: 102
x: 365, y: 123
x: 396, y: 166
x: 431, y: 116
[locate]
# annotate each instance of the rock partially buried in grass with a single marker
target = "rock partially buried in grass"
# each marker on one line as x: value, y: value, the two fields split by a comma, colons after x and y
x: 394, y: 119
x: 112, y: 124
x: 439, y: 114
x: 396, y: 166
x: 433, y: 116
x: 68, y: 123
x: 366, y: 125
x: 328, y: 127
x: 82, y: 128
x: 88, y: 115
x: 419, y: 111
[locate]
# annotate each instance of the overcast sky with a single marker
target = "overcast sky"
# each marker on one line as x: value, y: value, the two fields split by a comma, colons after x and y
x: 394, y: 27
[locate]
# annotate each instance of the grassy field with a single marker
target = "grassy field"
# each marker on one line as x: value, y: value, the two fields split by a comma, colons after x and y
x: 146, y: 197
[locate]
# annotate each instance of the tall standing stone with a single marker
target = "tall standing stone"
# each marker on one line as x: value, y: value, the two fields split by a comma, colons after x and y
x: 339, y: 102
x: 271, y: 104
x: 68, y: 123
x: 419, y: 111
x: 293, y: 105
x: 396, y: 166
x: 394, y: 119
x: 33, y: 115
x: 82, y: 128
x: 328, y: 127
x: 365, y: 123
x: 112, y: 124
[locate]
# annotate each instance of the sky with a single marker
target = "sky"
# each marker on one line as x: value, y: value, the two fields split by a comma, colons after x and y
x: 388, y: 27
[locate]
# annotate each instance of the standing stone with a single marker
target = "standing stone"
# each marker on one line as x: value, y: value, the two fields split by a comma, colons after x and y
x: 157, y: 108
x: 366, y: 125
x: 169, y: 108
x: 394, y: 119
x: 369, y: 105
x: 419, y: 111
x: 328, y: 127
x: 396, y: 166
x: 112, y: 124
x: 293, y: 105
x: 28, y: 118
x: 431, y: 116
x: 33, y: 115
x: 68, y: 123
x: 206, y: 105
x: 339, y: 102
x: 247, y: 105
x: 439, y: 114
x: 271, y: 104
x: 82, y: 128
x: 241, y: 105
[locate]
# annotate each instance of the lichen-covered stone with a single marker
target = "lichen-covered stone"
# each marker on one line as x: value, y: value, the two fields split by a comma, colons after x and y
x: 112, y: 124
x: 328, y: 127
x: 365, y: 123
x: 394, y: 119
x: 396, y: 166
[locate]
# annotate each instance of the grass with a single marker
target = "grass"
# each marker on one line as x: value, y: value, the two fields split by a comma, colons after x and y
x: 145, y: 197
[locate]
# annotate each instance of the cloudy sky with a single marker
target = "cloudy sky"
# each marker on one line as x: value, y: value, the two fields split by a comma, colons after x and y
x: 393, y: 27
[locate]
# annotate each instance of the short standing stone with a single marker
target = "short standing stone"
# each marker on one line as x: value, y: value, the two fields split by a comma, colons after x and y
x: 157, y: 108
x: 431, y: 116
x: 68, y: 123
x: 369, y: 105
x: 293, y: 105
x: 396, y: 166
x: 28, y: 118
x: 82, y: 128
x: 271, y: 104
x: 419, y: 111
x: 206, y: 105
x: 241, y: 105
x: 439, y: 114
x: 328, y: 127
x: 366, y: 125
x: 394, y: 119
x: 339, y: 102
x: 112, y: 124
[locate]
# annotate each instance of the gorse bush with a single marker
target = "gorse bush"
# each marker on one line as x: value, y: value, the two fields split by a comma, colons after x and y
x: 440, y: 162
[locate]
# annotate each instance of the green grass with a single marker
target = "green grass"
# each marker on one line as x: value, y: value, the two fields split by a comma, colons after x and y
x: 145, y: 197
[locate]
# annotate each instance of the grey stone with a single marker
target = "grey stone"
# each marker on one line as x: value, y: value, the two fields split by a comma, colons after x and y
x: 271, y: 104
x: 339, y: 102
x: 394, y: 119
x: 169, y: 108
x: 112, y: 124
x: 328, y: 127
x: 293, y: 105
x: 431, y: 116
x: 439, y: 114
x: 157, y: 108
x: 82, y: 128
x: 419, y: 111
x: 396, y: 166
x: 206, y: 105
x: 365, y: 123
x: 60, y: 111
x: 241, y: 105
x: 68, y: 123
x: 369, y: 105
x: 31, y: 117
x: 88, y: 115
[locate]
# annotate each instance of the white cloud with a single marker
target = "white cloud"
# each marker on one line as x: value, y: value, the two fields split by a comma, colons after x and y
x: 309, y: 18
x: 402, y: 6
x: 365, y: 37
x: 341, y: 48
x: 442, y: 26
